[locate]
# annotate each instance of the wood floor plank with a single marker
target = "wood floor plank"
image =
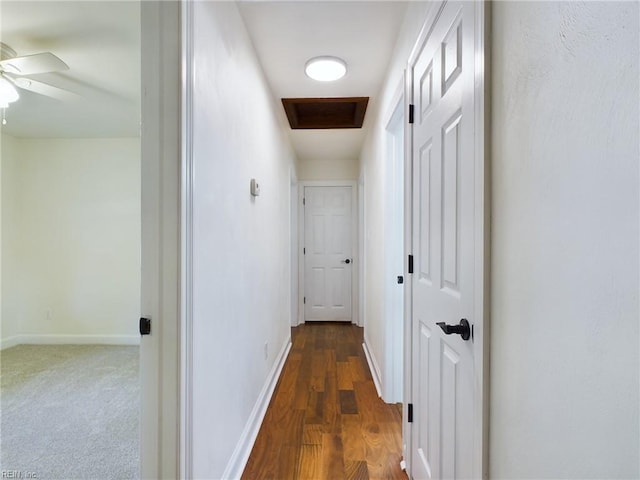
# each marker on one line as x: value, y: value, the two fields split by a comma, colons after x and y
x: 345, y: 381
x: 356, y: 369
x: 310, y: 465
x: 356, y: 471
x: 318, y: 371
x: 348, y: 402
x: 312, y: 434
x: 330, y: 405
x: 313, y: 412
x: 288, y: 463
x: 353, y: 444
x: 332, y: 456
x: 330, y: 360
x: 325, y: 420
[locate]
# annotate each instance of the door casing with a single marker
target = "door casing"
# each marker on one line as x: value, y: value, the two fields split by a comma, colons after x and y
x: 395, y: 205
x: 160, y: 419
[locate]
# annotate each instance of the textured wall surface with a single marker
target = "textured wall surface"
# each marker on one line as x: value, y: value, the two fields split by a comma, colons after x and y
x: 564, y: 345
x: 241, y: 244
x: 328, y: 169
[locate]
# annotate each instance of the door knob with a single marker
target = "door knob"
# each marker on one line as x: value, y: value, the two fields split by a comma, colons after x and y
x: 463, y: 329
x: 347, y: 261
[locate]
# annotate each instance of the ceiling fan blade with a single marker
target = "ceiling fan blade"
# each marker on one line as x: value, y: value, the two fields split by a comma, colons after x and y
x: 31, y: 64
x: 44, y: 89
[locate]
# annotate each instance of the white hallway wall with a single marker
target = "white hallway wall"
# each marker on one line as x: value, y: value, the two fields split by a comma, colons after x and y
x: 241, y: 244
x: 71, y: 240
x: 9, y: 239
x: 564, y: 344
x: 329, y: 169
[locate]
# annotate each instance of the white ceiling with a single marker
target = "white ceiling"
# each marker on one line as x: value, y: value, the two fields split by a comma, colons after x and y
x: 100, y: 41
x: 287, y: 34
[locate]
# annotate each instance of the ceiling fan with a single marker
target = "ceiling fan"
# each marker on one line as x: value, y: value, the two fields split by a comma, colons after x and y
x: 14, y: 71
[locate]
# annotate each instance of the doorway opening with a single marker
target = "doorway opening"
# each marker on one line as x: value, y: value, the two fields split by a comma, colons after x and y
x: 70, y: 169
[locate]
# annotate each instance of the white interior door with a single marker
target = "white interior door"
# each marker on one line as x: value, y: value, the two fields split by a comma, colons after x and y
x: 327, y: 253
x: 446, y: 227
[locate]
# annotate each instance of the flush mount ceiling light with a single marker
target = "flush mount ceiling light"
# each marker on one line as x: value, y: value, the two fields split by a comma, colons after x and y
x: 325, y: 69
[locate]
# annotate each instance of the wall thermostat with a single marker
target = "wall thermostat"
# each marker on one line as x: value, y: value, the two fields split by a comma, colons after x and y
x: 255, y: 187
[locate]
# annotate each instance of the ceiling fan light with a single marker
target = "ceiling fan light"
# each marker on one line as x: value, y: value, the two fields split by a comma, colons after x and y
x: 325, y: 69
x: 8, y: 93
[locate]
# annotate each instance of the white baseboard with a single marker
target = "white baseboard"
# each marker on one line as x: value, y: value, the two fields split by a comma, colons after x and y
x: 373, y: 366
x: 240, y: 456
x: 10, y: 342
x: 70, y: 340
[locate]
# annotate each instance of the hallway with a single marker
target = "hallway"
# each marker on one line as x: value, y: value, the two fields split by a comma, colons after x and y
x: 325, y: 419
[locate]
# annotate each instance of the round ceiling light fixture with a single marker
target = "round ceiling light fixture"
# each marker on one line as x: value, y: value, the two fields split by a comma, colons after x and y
x: 325, y: 69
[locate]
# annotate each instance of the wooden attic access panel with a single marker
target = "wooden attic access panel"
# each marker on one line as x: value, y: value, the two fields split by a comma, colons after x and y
x: 307, y: 113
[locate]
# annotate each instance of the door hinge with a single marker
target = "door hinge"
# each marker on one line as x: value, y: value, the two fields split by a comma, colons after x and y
x: 304, y: 299
x: 411, y: 108
x: 410, y: 265
x: 145, y: 326
x: 410, y: 412
x: 304, y: 251
x: 304, y: 201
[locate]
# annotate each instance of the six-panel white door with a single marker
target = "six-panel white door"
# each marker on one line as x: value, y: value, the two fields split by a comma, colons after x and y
x: 328, y: 257
x: 444, y: 229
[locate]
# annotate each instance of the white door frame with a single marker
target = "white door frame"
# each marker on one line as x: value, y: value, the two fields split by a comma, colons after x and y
x: 407, y: 371
x: 160, y: 386
x: 354, y: 243
x: 392, y: 379
x: 186, y: 247
x: 362, y: 267
x: 482, y: 240
x: 295, y: 219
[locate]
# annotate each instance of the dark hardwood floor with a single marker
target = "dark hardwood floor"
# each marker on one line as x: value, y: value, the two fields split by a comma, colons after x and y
x: 325, y: 419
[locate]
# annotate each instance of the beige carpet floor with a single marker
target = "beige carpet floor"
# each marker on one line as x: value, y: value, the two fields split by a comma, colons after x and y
x: 69, y: 412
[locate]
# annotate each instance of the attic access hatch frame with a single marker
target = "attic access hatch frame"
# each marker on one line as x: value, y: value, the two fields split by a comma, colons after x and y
x: 325, y: 113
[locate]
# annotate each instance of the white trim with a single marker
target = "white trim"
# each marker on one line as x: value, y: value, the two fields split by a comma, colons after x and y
x: 407, y: 393
x: 10, y: 342
x: 362, y: 269
x: 398, y: 97
x: 294, y: 236
x: 355, y: 307
x: 393, y: 334
x: 482, y: 241
x: 186, y: 246
x: 373, y: 366
x: 240, y: 456
x: 57, y: 339
x: 161, y: 158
